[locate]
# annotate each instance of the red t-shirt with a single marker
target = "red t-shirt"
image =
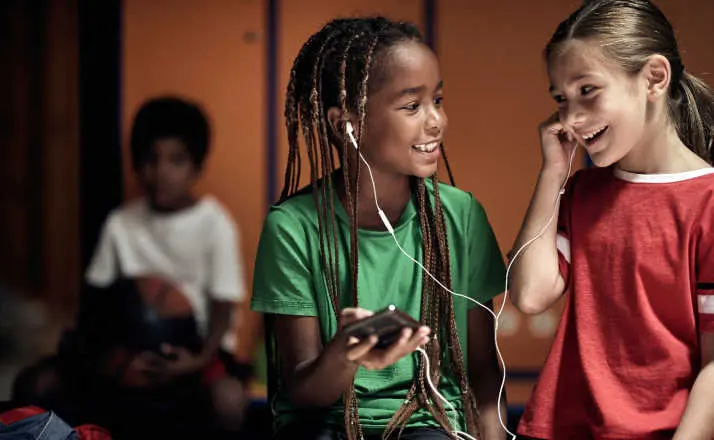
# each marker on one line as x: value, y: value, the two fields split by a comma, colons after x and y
x: 637, y: 254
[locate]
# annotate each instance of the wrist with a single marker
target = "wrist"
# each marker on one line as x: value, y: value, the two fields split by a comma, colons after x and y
x: 336, y: 354
x: 551, y: 172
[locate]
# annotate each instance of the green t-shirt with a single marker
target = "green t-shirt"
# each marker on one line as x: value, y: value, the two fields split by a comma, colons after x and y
x: 289, y: 280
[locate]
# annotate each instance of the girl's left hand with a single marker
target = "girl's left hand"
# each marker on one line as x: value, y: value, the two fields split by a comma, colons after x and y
x: 376, y: 359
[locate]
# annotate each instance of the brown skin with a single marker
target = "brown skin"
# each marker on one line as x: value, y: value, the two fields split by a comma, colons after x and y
x: 404, y: 111
x: 168, y: 177
x: 317, y: 375
x: 484, y: 373
x: 186, y: 362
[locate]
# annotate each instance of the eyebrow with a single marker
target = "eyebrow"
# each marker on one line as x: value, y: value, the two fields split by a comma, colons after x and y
x: 417, y: 90
x: 551, y: 89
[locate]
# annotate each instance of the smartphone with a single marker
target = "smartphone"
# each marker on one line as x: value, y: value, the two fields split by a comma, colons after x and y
x: 387, y: 324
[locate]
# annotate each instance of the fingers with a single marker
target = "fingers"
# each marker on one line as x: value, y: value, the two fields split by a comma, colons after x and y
x: 558, y: 143
x: 359, y: 349
x: 552, y: 125
x: 363, y: 351
x: 421, y: 337
x: 173, y: 353
x: 150, y: 362
x: 566, y: 136
x: 352, y: 314
x: 407, y: 343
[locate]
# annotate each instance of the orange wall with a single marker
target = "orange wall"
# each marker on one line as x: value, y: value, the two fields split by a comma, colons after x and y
x: 211, y: 52
x: 496, y: 94
x: 495, y: 90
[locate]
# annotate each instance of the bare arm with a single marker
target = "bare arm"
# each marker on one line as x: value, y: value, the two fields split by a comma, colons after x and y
x: 536, y: 282
x: 312, y: 380
x: 698, y: 419
x: 186, y: 362
x: 315, y: 375
x: 218, y: 324
x: 484, y: 373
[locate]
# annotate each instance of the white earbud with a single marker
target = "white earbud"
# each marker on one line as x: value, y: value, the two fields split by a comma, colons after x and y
x: 350, y: 133
x: 460, y: 435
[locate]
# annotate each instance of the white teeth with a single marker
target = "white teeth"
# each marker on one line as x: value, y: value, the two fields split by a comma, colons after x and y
x: 591, y: 135
x: 427, y: 148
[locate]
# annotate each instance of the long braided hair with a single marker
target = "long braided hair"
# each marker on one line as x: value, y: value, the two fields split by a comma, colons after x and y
x: 336, y: 68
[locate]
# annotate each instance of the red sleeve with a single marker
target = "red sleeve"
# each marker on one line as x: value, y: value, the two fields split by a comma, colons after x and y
x: 704, y: 261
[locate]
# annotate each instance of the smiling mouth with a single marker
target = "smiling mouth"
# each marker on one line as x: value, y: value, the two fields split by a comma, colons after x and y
x: 427, y: 148
x: 594, y: 135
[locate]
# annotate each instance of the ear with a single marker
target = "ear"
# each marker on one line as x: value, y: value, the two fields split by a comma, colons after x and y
x: 336, y: 119
x: 658, y: 73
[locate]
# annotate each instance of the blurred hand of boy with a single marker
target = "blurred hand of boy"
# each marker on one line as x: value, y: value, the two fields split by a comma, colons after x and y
x: 179, y: 361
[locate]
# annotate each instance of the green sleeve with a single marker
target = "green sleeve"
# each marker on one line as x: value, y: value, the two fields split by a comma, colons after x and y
x: 487, y: 269
x: 282, y: 281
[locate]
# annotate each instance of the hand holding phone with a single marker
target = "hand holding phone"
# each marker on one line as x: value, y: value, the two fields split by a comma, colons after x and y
x: 394, y: 333
x: 386, y: 324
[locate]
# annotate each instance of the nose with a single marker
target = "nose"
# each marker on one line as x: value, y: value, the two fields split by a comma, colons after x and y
x: 435, y: 121
x: 162, y: 167
x: 572, y: 116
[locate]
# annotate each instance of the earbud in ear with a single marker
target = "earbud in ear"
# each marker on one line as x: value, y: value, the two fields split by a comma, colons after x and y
x: 350, y: 132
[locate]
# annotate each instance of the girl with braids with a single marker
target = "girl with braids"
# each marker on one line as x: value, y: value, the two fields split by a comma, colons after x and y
x: 325, y: 260
x: 634, y: 244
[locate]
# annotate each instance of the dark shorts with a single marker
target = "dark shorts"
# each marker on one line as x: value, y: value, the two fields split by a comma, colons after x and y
x: 311, y: 429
